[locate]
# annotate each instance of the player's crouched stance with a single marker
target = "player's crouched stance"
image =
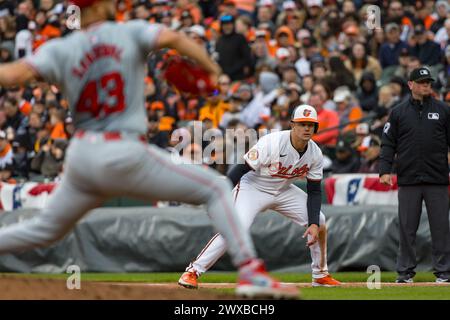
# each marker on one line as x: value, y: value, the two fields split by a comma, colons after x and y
x: 265, y: 182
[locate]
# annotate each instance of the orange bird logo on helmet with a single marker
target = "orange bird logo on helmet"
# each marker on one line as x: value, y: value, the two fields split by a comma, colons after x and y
x: 306, y: 112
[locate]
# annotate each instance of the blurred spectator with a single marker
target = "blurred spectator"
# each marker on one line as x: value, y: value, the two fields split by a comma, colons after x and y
x: 14, y: 118
x: 368, y: 92
x: 21, y: 158
x: 391, y: 49
x: 443, y: 34
x: 325, y: 93
x: 233, y: 113
x: 6, y: 151
x: 339, y: 75
x: 57, y: 124
x: 396, y: 14
x: 233, y: 50
x: 328, y: 122
x: 265, y: 14
x: 444, y: 74
x: 347, y: 161
x: 370, y: 150
x: 214, y: 109
x: 49, y: 160
x: 360, y: 62
x: 266, y: 93
x: 420, y: 46
x: 348, y: 112
x: 442, y: 11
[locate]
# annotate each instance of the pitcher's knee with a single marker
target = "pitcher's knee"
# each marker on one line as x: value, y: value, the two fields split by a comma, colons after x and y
x: 46, y: 233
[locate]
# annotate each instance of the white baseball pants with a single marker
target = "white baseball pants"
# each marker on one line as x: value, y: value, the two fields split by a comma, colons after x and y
x: 249, y: 201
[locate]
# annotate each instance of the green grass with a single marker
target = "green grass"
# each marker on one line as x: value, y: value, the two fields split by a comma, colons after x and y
x: 359, y: 293
x: 218, y: 277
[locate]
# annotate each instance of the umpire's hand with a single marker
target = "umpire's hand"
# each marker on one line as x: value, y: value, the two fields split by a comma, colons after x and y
x: 386, y: 179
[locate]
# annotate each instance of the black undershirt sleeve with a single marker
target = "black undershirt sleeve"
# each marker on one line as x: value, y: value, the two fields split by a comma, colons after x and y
x: 314, y: 201
x: 237, y: 171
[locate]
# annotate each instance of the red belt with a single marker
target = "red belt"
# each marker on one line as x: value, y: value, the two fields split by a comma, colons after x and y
x: 110, y: 135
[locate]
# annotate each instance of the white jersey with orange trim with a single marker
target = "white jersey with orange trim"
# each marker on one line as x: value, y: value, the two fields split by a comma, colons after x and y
x: 277, y: 164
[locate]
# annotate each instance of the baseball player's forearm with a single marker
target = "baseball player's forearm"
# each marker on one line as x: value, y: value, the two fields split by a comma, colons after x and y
x: 187, y: 47
x: 16, y: 73
x: 314, y: 201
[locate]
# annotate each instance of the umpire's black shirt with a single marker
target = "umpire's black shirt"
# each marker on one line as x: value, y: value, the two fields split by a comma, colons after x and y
x: 419, y: 133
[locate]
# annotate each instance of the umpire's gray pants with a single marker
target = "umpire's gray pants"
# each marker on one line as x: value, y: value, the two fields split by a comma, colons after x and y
x: 410, y: 208
x: 96, y: 170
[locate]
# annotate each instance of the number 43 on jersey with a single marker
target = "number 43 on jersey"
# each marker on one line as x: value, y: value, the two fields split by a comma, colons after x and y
x: 113, y: 100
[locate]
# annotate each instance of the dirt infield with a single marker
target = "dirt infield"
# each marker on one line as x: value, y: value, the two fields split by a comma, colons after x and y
x: 21, y: 288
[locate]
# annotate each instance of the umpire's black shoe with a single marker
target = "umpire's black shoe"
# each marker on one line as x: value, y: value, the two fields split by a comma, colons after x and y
x: 404, y: 278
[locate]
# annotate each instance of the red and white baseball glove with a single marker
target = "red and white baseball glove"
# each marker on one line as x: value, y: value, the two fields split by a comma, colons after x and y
x: 188, y: 77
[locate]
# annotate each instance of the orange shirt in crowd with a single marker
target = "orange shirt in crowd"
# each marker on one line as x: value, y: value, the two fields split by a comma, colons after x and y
x: 246, y: 5
x: 58, y: 131
x: 327, y: 119
x: 214, y: 113
x: 354, y: 115
x: 25, y: 107
x: 49, y: 32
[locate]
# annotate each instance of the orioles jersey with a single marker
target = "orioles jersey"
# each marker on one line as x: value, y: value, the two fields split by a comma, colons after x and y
x: 277, y: 164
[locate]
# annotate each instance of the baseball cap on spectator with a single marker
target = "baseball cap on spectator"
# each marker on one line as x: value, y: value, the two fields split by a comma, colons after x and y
x: 317, y: 59
x: 314, y: 3
x: 369, y: 141
x: 294, y: 87
x: 362, y: 129
x: 266, y: 3
x: 243, y: 88
x: 282, y: 53
x: 198, y: 30
x: 420, y: 74
x: 341, y: 94
x: 419, y: 29
x: 227, y: 19
x: 443, y: 3
x: 343, y: 146
x: 289, y: 5
x: 351, y: 30
x: 260, y: 33
x: 404, y: 52
x: 186, y: 14
x: 303, y: 33
x: 157, y: 105
x: 392, y: 26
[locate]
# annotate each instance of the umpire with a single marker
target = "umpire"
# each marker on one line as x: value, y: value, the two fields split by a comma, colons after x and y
x: 418, y: 131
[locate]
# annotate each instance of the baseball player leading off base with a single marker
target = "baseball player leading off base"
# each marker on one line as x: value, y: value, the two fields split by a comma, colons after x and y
x: 265, y: 182
x: 100, y: 70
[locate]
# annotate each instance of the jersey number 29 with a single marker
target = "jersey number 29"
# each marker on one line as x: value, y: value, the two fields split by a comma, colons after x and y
x: 114, y: 101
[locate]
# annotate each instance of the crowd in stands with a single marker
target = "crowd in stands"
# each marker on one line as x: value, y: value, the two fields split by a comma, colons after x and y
x: 336, y: 55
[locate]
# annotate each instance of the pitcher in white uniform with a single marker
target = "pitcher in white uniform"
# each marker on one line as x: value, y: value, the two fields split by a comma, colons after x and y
x: 100, y: 70
x: 265, y: 182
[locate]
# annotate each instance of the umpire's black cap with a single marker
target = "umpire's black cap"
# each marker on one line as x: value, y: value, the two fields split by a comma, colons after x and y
x: 420, y: 74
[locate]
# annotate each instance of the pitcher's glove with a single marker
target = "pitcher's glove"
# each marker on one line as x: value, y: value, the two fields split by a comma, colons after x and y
x: 188, y: 77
